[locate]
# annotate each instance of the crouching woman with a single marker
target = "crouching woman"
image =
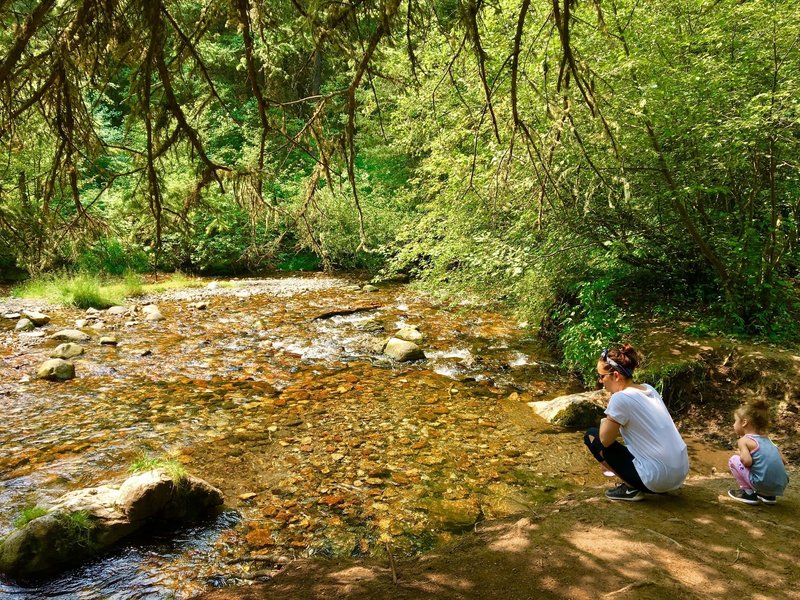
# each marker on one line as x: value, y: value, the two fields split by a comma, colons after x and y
x: 653, y: 458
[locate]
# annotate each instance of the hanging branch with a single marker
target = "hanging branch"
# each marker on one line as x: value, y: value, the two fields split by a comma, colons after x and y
x: 470, y: 18
x: 243, y: 7
x: 390, y: 9
x: 26, y: 32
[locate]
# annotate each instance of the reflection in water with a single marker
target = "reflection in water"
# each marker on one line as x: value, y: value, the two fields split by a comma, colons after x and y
x: 342, y: 449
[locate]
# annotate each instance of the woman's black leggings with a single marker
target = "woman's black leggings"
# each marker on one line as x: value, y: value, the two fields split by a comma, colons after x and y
x: 616, y: 456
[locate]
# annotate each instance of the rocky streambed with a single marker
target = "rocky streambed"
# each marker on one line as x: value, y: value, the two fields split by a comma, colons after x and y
x: 278, y: 392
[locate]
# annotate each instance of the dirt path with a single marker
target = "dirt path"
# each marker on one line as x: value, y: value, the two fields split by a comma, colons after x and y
x: 695, y: 544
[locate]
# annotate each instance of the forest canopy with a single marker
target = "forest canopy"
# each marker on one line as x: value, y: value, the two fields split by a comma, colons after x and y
x: 558, y: 154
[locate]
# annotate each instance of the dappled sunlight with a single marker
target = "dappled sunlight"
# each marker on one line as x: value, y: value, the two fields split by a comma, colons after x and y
x: 516, y: 539
x: 320, y: 443
x: 353, y: 575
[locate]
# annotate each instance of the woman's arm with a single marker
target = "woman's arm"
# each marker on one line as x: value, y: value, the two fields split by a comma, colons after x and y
x: 609, y: 431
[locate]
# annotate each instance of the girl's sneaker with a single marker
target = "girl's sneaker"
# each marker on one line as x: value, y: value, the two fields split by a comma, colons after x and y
x: 767, y: 499
x: 746, y: 496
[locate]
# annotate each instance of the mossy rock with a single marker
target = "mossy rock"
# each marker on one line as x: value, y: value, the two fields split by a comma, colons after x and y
x: 575, y: 411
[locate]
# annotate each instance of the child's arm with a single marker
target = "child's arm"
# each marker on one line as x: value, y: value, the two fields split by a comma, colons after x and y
x: 745, y: 444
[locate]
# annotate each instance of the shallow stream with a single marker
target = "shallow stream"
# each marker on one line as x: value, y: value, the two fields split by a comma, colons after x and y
x: 320, y: 444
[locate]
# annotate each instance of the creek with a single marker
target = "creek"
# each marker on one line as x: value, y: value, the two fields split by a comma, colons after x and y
x: 321, y: 445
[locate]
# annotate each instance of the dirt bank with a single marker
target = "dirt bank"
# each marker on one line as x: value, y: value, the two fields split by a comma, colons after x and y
x: 695, y: 544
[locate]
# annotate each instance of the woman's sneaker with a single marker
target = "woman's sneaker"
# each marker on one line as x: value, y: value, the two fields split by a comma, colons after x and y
x: 767, y: 499
x: 748, y: 497
x: 625, y: 492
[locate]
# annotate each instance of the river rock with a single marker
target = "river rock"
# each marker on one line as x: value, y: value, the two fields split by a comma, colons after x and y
x: 370, y: 288
x: 66, y: 351
x: 24, y: 324
x: 117, y: 311
x: 12, y: 316
x: 151, y: 313
x: 202, y: 305
x: 37, y: 318
x: 457, y: 516
x: 82, y: 524
x: 150, y: 308
x: 98, y: 325
x: 36, y: 333
x: 575, y: 410
x: 70, y: 335
x: 403, y: 351
x: 108, y: 340
x: 56, y: 369
x: 92, y: 311
x: 81, y: 323
x: 409, y: 334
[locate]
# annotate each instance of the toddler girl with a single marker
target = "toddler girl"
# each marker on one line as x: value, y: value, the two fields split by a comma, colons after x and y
x: 758, y: 466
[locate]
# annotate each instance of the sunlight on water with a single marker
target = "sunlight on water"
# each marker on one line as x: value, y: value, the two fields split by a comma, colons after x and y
x: 334, y: 446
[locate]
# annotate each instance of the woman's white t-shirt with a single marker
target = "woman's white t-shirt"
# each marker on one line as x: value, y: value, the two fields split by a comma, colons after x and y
x: 659, y: 452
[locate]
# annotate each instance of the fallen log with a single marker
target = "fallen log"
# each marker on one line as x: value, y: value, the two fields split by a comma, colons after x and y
x: 348, y: 310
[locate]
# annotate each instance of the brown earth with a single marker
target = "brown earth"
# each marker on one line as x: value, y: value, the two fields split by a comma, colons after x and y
x: 695, y: 543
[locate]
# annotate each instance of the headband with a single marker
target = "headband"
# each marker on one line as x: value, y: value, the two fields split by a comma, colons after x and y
x: 615, y: 365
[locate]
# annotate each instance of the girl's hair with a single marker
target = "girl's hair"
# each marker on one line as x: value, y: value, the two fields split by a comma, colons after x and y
x: 756, y: 412
x: 626, y: 357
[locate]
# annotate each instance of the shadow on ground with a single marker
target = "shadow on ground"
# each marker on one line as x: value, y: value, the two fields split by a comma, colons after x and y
x: 695, y: 544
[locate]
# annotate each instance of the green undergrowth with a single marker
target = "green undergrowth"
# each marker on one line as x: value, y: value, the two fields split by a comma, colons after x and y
x: 88, y: 290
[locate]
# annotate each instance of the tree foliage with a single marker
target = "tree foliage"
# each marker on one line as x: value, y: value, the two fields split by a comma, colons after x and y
x: 522, y: 147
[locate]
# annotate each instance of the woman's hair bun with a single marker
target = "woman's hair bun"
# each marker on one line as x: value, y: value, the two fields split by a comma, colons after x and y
x: 632, y: 356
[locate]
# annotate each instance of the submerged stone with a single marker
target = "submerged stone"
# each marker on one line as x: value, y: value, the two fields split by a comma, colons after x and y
x: 67, y: 351
x: 403, y: 351
x: 56, y: 369
x: 70, y: 335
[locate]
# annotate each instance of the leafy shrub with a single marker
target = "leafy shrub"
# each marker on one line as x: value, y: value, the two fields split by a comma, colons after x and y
x: 109, y: 255
x: 304, y: 260
x: 593, y: 322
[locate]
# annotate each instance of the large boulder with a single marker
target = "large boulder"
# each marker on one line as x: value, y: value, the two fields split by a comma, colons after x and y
x: 67, y: 351
x: 82, y: 524
x: 575, y: 410
x: 403, y: 351
x: 70, y: 335
x: 56, y: 369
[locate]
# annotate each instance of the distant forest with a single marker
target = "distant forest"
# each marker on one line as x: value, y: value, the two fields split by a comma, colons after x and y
x: 566, y: 157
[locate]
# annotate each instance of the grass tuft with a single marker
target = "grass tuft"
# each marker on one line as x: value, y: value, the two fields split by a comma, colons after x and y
x: 28, y: 514
x: 148, y: 462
